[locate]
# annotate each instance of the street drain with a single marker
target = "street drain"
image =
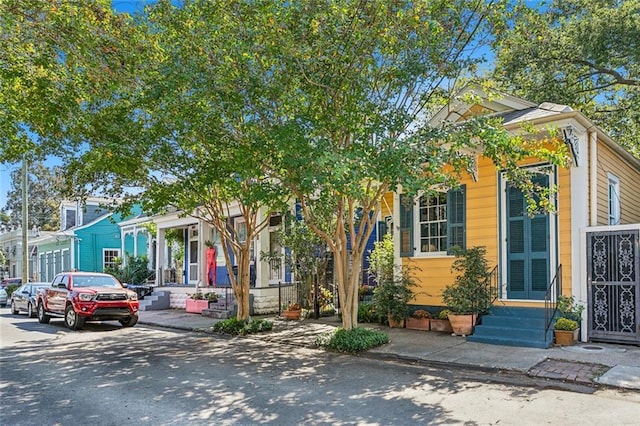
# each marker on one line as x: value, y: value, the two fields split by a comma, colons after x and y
x: 593, y: 348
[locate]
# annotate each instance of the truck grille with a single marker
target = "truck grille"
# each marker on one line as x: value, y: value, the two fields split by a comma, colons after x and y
x: 111, y: 296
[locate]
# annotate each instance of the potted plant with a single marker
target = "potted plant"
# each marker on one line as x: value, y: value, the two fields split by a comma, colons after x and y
x: 392, y: 292
x: 569, y: 308
x: 419, y: 320
x: 211, y: 298
x: 471, y: 293
x: 565, y: 331
x: 292, y: 312
x: 196, y: 302
x: 441, y: 322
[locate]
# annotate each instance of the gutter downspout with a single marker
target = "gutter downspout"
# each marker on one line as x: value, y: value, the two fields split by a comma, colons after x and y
x: 593, y: 178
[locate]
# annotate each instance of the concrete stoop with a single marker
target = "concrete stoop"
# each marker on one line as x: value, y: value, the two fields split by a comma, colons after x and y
x: 509, y: 326
x: 154, y: 302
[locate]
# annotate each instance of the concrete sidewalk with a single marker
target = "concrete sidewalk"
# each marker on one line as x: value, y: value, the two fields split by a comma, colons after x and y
x: 585, y: 363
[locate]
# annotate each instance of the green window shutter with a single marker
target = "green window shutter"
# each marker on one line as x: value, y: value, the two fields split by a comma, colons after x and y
x: 406, y: 226
x: 456, y: 218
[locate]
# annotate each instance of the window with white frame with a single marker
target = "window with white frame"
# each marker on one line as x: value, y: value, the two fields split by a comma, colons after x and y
x: 614, y: 199
x: 110, y: 258
x: 432, y: 220
x: 439, y: 219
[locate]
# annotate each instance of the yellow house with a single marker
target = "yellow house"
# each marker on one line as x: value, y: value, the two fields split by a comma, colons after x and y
x: 600, y: 188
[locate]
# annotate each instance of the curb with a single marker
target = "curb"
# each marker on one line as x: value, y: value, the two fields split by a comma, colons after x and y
x: 493, y: 374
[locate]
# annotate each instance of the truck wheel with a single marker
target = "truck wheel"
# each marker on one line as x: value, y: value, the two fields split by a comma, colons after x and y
x: 72, y: 320
x: 43, y: 318
x: 30, y: 312
x: 129, y: 321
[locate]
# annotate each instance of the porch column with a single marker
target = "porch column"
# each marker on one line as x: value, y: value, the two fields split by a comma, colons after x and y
x: 160, y: 259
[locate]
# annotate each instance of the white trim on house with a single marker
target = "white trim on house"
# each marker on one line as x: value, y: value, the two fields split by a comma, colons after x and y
x: 580, y: 215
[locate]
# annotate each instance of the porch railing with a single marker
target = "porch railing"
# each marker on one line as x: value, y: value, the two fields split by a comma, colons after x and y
x: 494, y: 284
x: 551, y: 300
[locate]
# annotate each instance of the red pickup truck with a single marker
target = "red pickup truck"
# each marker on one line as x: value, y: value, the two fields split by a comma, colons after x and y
x: 87, y: 296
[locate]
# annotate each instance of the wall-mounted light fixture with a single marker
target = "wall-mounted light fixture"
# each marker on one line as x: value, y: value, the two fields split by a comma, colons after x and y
x: 571, y: 139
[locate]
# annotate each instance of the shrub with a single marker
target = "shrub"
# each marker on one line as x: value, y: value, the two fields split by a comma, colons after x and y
x: 569, y: 308
x: 471, y: 293
x: 394, y: 284
x: 565, y: 324
x: 444, y: 314
x: 420, y: 314
x: 352, y: 341
x: 135, y: 271
x: 368, y: 314
x: 211, y: 297
x: 196, y: 296
x: 242, y: 327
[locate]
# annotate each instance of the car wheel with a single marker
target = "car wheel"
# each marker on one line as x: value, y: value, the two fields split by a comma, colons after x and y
x: 14, y: 309
x: 30, y: 312
x: 43, y: 318
x: 72, y: 320
x: 130, y: 321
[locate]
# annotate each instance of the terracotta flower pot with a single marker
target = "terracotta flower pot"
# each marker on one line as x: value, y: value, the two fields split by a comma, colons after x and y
x: 462, y: 325
x: 291, y: 315
x: 418, y: 323
x: 395, y: 324
x: 440, y: 325
x: 565, y: 337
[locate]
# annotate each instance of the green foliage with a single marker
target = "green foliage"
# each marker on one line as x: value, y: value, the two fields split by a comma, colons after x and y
x: 471, y: 292
x: 565, y: 324
x: 58, y: 60
x: 577, y: 53
x: 237, y: 326
x: 381, y: 259
x: 211, y: 297
x: 45, y: 186
x: 569, y: 308
x: 10, y: 289
x: 444, y: 314
x: 368, y: 314
x: 259, y: 103
x: 353, y: 341
x: 393, y: 289
x: 134, y: 271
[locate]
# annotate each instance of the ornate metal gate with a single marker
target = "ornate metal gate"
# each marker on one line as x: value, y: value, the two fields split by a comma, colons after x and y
x: 613, y: 280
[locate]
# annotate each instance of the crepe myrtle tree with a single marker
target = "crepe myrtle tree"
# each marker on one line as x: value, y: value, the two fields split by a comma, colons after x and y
x: 365, y: 79
x: 255, y: 104
x: 185, y: 135
x: 58, y: 61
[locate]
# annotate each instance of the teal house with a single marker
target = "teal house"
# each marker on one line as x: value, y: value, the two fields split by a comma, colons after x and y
x: 90, y: 239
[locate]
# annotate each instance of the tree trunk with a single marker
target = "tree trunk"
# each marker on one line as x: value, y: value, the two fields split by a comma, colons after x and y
x: 241, y: 287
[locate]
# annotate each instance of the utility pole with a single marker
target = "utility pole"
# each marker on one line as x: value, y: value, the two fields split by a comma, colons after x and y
x: 25, y: 222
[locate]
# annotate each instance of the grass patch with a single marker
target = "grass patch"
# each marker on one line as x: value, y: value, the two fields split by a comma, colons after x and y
x: 242, y: 327
x: 353, y: 341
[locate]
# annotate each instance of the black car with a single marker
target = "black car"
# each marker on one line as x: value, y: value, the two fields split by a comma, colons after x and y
x: 24, y: 298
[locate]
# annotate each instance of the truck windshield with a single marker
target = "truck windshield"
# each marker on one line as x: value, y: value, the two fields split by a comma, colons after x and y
x: 95, y: 281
